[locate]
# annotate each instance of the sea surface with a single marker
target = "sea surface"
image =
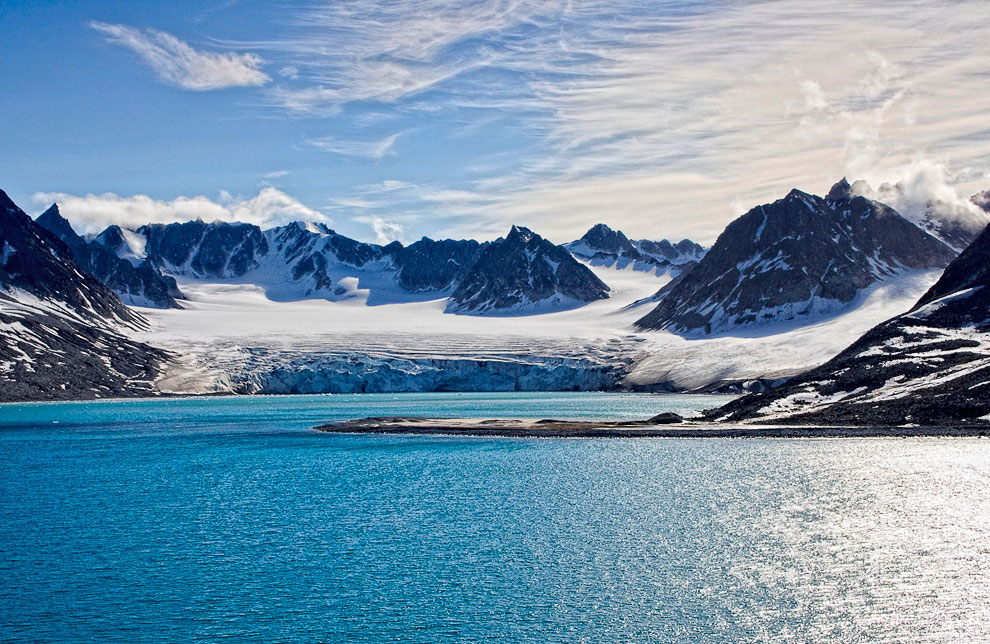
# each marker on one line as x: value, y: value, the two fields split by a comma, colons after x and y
x: 229, y: 519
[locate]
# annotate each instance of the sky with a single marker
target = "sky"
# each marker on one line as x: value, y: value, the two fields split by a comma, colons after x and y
x: 395, y: 120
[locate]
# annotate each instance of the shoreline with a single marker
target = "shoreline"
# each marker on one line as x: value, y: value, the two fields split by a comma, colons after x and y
x: 551, y: 428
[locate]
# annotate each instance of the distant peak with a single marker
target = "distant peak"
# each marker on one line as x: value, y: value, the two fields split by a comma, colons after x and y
x: 840, y: 191
x: 520, y: 232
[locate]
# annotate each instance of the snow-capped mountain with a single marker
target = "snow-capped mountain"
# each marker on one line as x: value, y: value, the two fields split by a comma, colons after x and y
x: 602, y: 246
x: 928, y: 366
x: 523, y: 273
x: 62, y: 332
x: 794, y: 260
x: 110, y: 259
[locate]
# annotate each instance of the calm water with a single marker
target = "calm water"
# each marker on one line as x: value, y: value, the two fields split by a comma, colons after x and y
x: 228, y: 519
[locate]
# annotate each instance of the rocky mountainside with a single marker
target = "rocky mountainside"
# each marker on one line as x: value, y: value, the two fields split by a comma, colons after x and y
x: 602, y: 246
x: 62, y: 332
x: 930, y: 366
x: 134, y: 279
x: 36, y: 262
x: 793, y: 260
x: 523, y: 273
x: 218, y: 250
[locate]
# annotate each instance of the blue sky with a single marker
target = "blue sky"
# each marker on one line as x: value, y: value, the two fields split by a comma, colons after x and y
x: 398, y: 120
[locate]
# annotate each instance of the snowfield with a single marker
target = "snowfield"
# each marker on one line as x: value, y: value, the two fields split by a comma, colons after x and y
x: 233, y: 337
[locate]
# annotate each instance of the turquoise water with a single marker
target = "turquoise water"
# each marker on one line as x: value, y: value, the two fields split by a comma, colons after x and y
x: 228, y: 519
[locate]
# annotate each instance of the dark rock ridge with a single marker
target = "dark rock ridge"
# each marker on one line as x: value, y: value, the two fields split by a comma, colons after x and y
x: 602, y: 246
x: 524, y: 273
x: 139, y: 283
x: 61, y: 329
x: 793, y: 259
x: 930, y: 366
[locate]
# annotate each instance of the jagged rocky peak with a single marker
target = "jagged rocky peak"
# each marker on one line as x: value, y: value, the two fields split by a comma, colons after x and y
x: 522, y: 274
x: 682, y: 252
x: 794, y: 260
x: 431, y: 265
x: 53, y: 220
x: 301, y: 239
x: 840, y: 191
x: 602, y: 238
x: 929, y: 366
x: 602, y: 246
x: 59, y: 325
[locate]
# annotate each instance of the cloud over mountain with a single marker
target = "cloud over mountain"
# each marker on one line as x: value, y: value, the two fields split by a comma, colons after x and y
x: 92, y: 213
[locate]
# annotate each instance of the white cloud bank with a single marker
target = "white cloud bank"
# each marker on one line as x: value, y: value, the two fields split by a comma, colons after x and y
x: 178, y: 64
x: 93, y: 213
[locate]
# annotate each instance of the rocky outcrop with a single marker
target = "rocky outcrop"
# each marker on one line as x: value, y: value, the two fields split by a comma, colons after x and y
x: 793, y: 261
x: 522, y: 274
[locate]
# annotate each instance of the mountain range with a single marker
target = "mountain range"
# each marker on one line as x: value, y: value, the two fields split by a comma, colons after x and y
x: 784, y: 265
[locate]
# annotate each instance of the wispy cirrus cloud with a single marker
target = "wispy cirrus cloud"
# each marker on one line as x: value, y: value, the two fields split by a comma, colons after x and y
x: 668, y: 116
x: 93, y: 213
x: 377, y: 149
x: 177, y: 63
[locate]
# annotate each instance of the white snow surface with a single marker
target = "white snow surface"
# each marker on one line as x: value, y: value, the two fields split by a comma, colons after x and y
x: 770, y: 351
x: 234, y: 336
